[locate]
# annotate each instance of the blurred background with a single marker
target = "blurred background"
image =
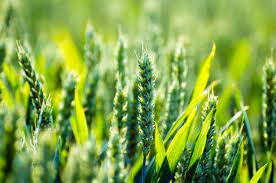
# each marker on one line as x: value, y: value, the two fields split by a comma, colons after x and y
x: 244, y: 32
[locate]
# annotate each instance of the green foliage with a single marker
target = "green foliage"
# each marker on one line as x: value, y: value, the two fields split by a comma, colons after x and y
x: 78, y: 122
x: 90, y: 129
x: 178, y: 144
x: 237, y: 163
x: 201, y: 140
x: 159, y: 148
x: 258, y: 174
x: 199, y: 93
x: 204, y: 74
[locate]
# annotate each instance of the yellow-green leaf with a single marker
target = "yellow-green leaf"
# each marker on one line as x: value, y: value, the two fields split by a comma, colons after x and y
x: 237, y: 166
x: 79, y: 124
x: 159, y: 148
x: 201, y: 140
x: 258, y: 174
x: 69, y: 51
x: 135, y: 169
x: 204, y: 74
x: 178, y: 143
x: 6, y: 95
x: 188, y: 110
x: 11, y: 74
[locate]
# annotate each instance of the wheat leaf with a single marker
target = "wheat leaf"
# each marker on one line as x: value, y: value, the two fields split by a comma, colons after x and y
x: 204, y: 74
x: 188, y: 110
x: 159, y: 148
x: 236, y: 166
x: 201, y: 140
x: 258, y: 174
x: 78, y: 122
x: 178, y: 143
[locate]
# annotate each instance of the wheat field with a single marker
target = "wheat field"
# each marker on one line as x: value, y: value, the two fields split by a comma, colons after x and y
x: 137, y: 91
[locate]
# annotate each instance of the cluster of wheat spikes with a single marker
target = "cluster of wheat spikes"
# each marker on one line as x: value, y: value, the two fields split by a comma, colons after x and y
x: 150, y: 137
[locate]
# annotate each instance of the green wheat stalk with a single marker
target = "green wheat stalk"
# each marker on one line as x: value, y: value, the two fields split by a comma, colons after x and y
x: 179, y: 71
x: 120, y: 114
x: 30, y: 75
x: 146, y: 104
x: 227, y: 147
x: 121, y: 59
x: 182, y: 166
x: 133, y: 126
x: 204, y: 169
x: 115, y: 157
x: 221, y: 158
x: 232, y: 148
x: 41, y: 105
x: 65, y: 129
x: 45, y: 118
x: 92, y: 57
x: 269, y: 104
x: 2, y: 54
x: 172, y: 107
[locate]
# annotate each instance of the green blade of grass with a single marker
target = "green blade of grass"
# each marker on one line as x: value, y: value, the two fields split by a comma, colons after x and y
x: 237, y: 165
x: 269, y: 177
x: 79, y: 125
x: 258, y: 174
x: 199, y: 146
x: 160, y: 150
x: 188, y: 110
x: 233, y: 119
x: 251, y: 153
x: 204, y: 74
x: 135, y: 169
x: 178, y: 143
x: 201, y: 140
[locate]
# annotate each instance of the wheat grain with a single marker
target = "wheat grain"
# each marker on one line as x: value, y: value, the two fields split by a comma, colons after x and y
x: 269, y: 104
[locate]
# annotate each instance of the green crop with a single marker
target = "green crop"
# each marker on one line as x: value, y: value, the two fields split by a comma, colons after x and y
x: 88, y: 105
